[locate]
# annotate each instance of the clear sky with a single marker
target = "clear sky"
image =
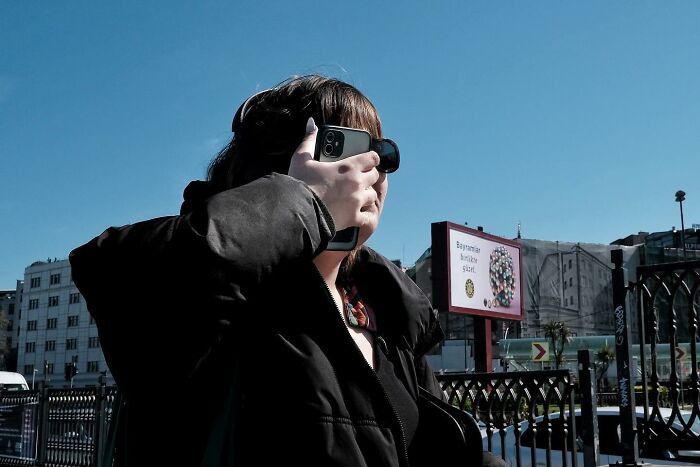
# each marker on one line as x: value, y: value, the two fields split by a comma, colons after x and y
x: 580, y: 120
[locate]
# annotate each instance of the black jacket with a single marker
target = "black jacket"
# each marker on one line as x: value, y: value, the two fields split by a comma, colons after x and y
x: 226, y: 341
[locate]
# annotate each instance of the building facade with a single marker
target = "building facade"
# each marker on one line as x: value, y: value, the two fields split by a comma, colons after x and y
x: 54, y: 330
x: 8, y: 306
x: 666, y: 246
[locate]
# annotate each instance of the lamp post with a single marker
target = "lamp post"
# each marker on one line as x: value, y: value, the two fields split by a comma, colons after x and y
x: 680, y: 197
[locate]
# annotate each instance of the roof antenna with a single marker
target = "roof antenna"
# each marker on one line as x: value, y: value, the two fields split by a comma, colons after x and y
x: 519, y: 230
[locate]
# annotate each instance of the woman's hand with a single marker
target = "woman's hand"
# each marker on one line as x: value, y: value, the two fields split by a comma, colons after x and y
x: 343, y: 186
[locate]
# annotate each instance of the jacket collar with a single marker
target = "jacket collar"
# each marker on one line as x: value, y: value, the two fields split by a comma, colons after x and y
x: 404, y: 314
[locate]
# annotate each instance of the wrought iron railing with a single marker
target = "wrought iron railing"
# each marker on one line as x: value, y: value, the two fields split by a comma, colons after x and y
x: 57, y: 427
x: 532, y: 409
x: 668, y: 302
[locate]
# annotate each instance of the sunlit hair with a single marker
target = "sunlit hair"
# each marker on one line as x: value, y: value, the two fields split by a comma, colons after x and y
x: 274, y: 123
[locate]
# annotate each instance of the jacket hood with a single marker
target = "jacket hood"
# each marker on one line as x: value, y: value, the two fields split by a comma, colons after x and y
x: 406, y: 313
x: 195, y: 193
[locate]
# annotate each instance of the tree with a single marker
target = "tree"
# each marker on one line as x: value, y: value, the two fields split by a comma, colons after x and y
x: 604, y: 358
x: 560, y: 335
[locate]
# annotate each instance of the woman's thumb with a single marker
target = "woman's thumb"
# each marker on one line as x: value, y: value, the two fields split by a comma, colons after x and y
x: 308, y: 144
x: 311, y: 126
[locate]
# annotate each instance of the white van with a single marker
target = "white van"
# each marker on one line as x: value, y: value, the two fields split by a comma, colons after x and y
x: 10, y: 381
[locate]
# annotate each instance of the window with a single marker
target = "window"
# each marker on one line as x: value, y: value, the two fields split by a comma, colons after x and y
x: 569, y: 264
x: 566, y: 301
x: 72, y: 321
x: 11, y: 309
x: 71, y: 344
x: 31, y: 325
x: 33, y: 303
x: 93, y: 367
x: 51, y: 323
x: 55, y: 279
x: 564, y: 267
x: 9, y: 325
x: 49, y: 368
x: 35, y: 282
x: 28, y: 369
x: 571, y: 300
x: 74, y: 298
x: 564, y: 285
x: 50, y: 346
x: 53, y: 301
x: 94, y: 342
x: 571, y: 281
x: 29, y: 347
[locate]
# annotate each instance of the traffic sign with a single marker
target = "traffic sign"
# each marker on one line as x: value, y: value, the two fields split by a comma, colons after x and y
x: 540, y: 351
x: 680, y: 353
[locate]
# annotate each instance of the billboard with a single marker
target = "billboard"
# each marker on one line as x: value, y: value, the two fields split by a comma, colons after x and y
x: 476, y: 273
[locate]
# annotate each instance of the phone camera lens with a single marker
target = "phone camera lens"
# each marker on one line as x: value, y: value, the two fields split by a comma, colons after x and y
x: 328, y: 149
x: 330, y: 137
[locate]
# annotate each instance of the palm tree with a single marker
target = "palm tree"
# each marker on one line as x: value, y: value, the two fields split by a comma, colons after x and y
x: 560, y: 335
x: 604, y: 358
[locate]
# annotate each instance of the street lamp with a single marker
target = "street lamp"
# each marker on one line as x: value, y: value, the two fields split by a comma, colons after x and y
x: 680, y: 197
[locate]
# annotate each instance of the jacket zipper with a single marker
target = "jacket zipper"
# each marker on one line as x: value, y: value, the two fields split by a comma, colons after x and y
x: 404, y: 447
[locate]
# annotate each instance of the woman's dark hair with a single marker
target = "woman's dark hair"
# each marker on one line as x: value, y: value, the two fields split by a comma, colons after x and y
x: 273, y: 123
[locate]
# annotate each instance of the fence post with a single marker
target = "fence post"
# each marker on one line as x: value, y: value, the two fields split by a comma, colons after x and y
x: 623, y: 349
x: 589, y: 409
x: 100, y: 421
x: 43, y: 424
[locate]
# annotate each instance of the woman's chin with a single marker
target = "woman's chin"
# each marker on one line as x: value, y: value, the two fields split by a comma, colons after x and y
x: 366, y: 232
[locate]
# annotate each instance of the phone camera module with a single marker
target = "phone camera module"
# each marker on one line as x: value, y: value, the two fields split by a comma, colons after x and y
x: 333, y: 142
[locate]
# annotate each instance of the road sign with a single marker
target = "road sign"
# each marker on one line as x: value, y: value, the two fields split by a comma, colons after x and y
x: 540, y: 351
x: 680, y: 353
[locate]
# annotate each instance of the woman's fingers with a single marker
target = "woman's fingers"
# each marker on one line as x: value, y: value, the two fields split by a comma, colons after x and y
x: 345, y: 186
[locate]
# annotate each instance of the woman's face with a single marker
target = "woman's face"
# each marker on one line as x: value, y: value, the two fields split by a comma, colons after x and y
x: 374, y: 210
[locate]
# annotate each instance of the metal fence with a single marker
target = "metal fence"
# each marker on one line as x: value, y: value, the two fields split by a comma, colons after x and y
x: 55, y: 427
x: 532, y: 409
x: 668, y: 302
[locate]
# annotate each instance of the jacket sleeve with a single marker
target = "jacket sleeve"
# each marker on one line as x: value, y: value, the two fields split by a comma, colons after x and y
x: 165, y: 286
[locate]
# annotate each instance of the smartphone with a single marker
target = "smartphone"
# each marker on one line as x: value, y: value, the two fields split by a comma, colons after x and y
x: 334, y: 143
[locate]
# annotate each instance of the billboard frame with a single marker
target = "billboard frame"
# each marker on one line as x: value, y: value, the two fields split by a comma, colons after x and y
x: 441, y: 272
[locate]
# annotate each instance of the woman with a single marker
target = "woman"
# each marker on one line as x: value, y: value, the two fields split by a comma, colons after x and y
x: 235, y: 336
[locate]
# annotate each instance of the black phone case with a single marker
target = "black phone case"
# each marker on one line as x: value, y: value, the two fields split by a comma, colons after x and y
x: 355, y: 142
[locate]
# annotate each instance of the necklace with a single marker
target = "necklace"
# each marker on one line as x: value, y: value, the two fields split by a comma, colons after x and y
x: 356, y: 313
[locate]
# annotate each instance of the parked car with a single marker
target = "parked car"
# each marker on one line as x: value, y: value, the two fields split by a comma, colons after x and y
x: 609, y: 439
x: 11, y: 381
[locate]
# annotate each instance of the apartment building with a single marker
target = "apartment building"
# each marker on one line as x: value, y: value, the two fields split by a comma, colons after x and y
x: 53, y: 329
x: 8, y: 305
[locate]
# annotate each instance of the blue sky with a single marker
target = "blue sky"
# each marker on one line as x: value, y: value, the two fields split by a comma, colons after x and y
x: 580, y: 120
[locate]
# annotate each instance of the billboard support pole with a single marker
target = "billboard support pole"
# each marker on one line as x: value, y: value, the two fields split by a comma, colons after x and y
x: 483, y: 360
